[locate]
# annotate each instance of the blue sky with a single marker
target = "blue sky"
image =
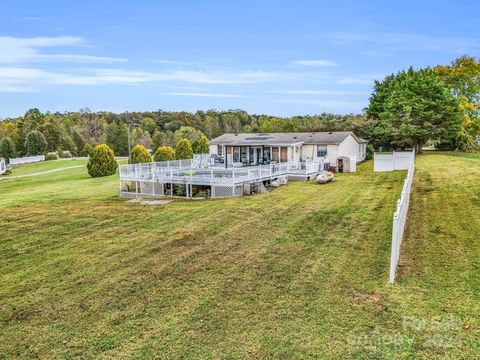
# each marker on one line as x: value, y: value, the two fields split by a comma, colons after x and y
x: 275, y: 57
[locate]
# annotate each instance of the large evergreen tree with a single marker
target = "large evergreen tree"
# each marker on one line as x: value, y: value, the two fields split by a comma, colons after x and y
x: 7, y: 148
x: 412, y: 107
x: 35, y: 144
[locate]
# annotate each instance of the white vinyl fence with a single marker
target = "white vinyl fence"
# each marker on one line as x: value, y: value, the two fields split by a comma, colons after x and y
x: 3, y: 166
x: 400, y: 219
x: 400, y: 160
x: 27, y: 160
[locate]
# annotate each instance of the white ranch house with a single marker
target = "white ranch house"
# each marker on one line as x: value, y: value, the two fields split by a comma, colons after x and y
x: 240, y: 164
x: 341, y: 149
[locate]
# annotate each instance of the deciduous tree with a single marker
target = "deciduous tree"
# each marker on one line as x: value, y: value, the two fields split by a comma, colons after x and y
x: 200, y: 146
x: 462, y: 77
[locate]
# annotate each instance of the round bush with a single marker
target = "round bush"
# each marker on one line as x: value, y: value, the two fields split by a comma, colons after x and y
x: 102, y: 162
x: 139, y: 155
x: 183, y: 150
x: 65, y: 154
x: 164, y: 153
x: 87, y: 150
x: 369, y: 152
x: 51, y: 156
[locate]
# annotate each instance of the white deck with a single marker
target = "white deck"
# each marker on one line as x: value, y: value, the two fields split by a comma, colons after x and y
x: 158, y: 179
x: 183, y: 172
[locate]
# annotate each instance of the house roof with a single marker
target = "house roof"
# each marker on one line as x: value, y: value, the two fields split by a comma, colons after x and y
x: 246, y: 139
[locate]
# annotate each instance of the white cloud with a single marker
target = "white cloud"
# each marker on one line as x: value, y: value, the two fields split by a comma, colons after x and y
x: 16, y: 50
x: 318, y: 62
x: 360, y: 79
x: 191, y: 94
x: 23, y: 78
x: 393, y: 41
x: 321, y: 92
x: 327, y: 105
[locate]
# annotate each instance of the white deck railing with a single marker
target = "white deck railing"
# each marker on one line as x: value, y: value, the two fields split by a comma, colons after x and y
x: 182, y: 171
x: 400, y: 219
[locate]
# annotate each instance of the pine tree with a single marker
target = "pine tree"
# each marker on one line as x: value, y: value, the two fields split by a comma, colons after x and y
x: 164, y: 153
x: 7, y: 148
x: 183, y: 150
x: 35, y: 143
x: 102, y: 162
x: 139, y: 155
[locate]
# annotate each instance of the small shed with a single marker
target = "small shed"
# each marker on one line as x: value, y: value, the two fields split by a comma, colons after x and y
x: 346, y: 164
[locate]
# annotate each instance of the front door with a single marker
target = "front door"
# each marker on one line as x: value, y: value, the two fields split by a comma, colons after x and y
x: 340, y: 165
x: 255, y: 155
x: 259, y: 156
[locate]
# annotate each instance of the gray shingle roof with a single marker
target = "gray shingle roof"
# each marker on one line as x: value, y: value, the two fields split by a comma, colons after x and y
x: 245, y: 139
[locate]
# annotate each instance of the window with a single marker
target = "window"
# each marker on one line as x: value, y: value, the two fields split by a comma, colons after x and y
x: 219, y: 150
x: 283, y: 154
x: 275, y: 154
x: 236, y: 154
x: 321, y: 150
x: 243, y: 154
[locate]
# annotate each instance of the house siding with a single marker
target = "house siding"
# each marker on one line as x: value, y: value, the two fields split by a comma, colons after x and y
x: 349, y: 147
x: 213, y: 149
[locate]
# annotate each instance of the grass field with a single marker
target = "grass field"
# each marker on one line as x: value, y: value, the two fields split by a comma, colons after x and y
x: 45, y: 166
x: 300, y: 272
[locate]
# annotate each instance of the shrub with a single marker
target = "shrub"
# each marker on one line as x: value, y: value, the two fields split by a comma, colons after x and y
x: 139, y: 155
x: 369, y: 152
x: 102, y: 162
x: 164, y: 153
x: 51, y: 156
x: 87, y: 150
x: 65, y: 154
x: 200, y: 146
x: 183, y: 150
x: 7, y: 148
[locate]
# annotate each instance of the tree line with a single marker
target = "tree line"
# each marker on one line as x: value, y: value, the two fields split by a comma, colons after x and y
x: 438, y: 106
x: 79, y: 132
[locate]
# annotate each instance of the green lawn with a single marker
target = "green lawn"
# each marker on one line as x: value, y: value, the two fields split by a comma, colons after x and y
x: 299, y: 272
x: 45, y: 166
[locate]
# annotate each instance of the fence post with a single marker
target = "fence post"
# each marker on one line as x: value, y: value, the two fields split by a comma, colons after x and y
x: 393, y: 256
